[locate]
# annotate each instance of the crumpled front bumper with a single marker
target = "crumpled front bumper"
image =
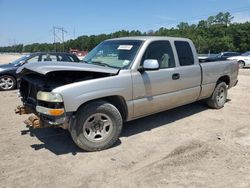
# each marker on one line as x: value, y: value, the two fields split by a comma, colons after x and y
x: 39, y: 120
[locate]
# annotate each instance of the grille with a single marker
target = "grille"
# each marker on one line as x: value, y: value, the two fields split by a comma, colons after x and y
x: 28, y: 93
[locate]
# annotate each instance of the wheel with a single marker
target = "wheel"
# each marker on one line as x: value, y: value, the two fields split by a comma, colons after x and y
x: 241, y: 64
x: 97, y: 127
x: 7, y: 83
x: 219, y: 96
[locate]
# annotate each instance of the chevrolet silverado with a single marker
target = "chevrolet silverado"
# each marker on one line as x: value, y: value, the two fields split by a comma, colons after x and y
x: 120, y: 80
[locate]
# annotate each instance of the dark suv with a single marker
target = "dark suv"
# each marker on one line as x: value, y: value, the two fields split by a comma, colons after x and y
x: 8, y: 76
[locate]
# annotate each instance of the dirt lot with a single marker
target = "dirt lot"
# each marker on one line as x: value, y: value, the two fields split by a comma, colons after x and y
x: 188, y: 146
x: 8, y: 57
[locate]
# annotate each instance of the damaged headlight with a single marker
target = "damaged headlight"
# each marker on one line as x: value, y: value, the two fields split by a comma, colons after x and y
x: 49, y: 97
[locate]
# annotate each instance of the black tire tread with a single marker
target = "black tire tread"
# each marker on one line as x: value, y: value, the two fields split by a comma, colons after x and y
x: 211, y: 101
x: 84, y: 112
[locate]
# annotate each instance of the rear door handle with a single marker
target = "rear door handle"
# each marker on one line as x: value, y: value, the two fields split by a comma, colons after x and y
x: 176, y: 76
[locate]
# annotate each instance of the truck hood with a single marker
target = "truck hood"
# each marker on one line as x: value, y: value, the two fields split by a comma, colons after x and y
x: 47, y: 67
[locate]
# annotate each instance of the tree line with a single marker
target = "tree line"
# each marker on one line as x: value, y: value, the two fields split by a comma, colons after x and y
x: 216, y: 34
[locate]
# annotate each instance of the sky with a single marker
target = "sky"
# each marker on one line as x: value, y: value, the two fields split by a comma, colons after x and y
x: 30, y: 21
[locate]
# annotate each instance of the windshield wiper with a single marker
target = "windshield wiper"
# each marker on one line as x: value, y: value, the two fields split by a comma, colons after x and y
x: 102, y: 64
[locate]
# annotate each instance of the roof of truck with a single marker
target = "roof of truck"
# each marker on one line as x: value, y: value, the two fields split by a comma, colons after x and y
x: 144, y: 38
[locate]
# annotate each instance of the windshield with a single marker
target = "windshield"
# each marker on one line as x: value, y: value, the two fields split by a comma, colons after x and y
x: 116, y: 53
x: 23, y: 58
x: 246, y: 54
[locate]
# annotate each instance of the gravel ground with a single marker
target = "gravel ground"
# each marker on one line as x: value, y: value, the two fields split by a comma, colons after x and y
x: 190, y: 146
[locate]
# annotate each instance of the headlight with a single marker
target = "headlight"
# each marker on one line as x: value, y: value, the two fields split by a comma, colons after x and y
x: 49, y: 97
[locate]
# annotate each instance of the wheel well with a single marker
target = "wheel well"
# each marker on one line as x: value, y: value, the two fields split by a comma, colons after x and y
x: 117, y: 101
x: 242, y: 61
x: 225, y: 79
x: 7, y: 74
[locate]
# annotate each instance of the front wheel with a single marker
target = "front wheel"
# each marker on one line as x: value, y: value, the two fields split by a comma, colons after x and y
x: 97, y: 127
x: 7, y: 83
x: 219, y: 96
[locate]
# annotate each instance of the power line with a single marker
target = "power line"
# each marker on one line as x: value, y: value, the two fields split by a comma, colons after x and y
x: 58, y: 36
x: 234, y: 10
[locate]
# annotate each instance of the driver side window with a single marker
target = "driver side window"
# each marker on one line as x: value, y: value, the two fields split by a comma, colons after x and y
x: 161, y: 51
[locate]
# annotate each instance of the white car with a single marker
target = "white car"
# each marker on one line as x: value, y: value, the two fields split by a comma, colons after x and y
x: 243, y: 60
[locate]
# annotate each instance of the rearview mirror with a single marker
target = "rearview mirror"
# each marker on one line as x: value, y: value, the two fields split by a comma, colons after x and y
x: 150, y: 65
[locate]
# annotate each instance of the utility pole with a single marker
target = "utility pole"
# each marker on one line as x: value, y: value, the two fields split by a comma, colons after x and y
x: 54, y: 33
x: 59, y: 31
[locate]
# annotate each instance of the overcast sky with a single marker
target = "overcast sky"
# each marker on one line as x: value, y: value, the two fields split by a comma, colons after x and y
x: 30, y: 21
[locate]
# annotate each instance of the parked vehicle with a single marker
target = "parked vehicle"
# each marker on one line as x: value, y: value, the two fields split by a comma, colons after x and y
x: 121, y: 80
x: 219, y: 57
x: 8, y: 76
x: 243, y: 60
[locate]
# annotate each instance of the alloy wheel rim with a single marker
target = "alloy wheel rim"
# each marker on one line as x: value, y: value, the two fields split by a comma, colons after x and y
x: 6, y: 83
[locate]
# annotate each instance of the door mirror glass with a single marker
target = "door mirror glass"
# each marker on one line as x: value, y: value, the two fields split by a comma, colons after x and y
x: 150, y: 64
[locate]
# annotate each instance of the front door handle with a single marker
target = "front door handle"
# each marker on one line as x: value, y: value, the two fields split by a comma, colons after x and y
x: 176, y: 76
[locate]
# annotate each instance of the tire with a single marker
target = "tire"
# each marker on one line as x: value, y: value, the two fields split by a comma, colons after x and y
x: 241, y: 64
x: 219, y: 96
x: 98, y: 126
x: 7, y: 83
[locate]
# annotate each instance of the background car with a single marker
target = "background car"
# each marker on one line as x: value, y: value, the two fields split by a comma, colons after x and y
x: 8, y: 76
x: 243, y: 59
x: 220, y: 57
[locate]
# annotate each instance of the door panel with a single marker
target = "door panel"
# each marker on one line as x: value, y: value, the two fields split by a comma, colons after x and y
x: 174, y: 84
x: 155, y: 91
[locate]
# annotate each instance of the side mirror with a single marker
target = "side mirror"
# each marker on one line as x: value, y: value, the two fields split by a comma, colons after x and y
x: 21, y: 62
x: 149, y: 65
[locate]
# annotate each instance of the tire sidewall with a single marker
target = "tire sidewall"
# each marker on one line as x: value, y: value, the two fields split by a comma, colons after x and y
x: 217, y: 89
x: 14, y: 82
x: 84, y: 113
x: 241, y: 64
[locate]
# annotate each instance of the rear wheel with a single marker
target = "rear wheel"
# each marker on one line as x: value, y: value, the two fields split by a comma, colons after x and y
x: 241, y: 64
x: 98, y: 126
x: 7, y: 83
x: 219, y: 96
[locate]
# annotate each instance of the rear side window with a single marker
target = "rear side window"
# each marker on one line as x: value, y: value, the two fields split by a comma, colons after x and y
x: 184, y: 52
x: 72, y: 58
x: 48, y: 57
x: 62, y: 57
x: 53, y: 58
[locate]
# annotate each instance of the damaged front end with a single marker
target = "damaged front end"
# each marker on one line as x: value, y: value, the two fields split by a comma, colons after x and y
x: 36, y: 91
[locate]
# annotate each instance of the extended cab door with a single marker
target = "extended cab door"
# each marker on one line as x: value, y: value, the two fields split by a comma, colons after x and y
x: 170, y: 86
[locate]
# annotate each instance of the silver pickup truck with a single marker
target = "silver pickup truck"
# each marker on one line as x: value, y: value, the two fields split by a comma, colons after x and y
x: 120, y: 80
